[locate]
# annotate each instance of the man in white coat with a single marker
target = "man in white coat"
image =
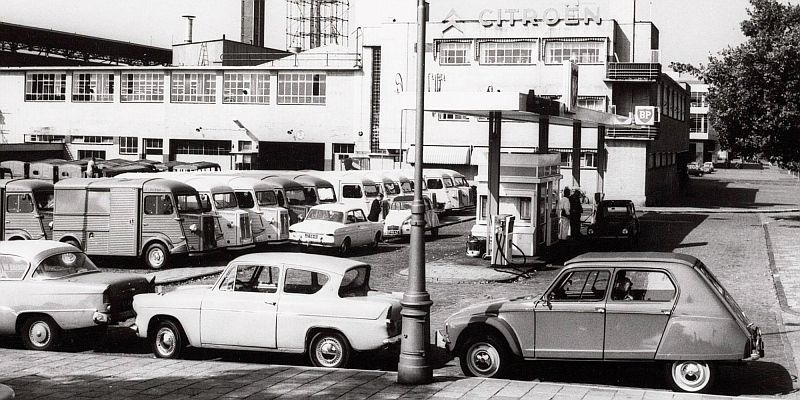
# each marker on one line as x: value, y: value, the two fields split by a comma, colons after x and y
x: 563, y: 211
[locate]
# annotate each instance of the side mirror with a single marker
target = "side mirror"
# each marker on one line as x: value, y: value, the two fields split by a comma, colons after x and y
x: 548, y: 300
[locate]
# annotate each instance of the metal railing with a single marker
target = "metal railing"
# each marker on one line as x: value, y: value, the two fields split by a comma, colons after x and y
x: 633, y: 71
x: 634, y: 133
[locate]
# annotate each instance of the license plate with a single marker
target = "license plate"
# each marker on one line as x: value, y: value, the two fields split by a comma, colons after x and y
x: 392, y: 232
x: 311, y: 236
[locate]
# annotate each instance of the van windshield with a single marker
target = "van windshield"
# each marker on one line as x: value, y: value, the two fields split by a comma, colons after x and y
x: 205, y: 203
x: 372, y: 190
x: 225, y: 201
x: 461, y: 182
x: 267, y: 199
x: 296, y: 197
x: 407, y: 187
x: 245, y: 199
x: 326, y: 195
x: 311, y: 196
x: 45, y: 200
x: 189, y: 204
x: 391, y: 188
x: 448, y: 182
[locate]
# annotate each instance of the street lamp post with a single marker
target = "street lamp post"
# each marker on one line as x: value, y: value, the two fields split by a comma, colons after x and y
x: 413, y: 367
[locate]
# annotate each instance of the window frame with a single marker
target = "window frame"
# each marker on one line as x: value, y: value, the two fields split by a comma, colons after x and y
x: 141, y: 87
x: 547, y: 56
x: 457, y: 58
x: 666, y: 273
x: 294, y: 86
x: 93, y: 87
x: 257, y: 85
x: 125, y: 146
x: 193, y: 87
x: 54, y: 80
x: 562, y: 280
x: 286, y: 277
x: 532, y: 57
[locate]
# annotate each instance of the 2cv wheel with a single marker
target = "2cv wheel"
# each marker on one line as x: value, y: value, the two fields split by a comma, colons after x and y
x: 329, y: 350
x: 167, y: 340
x: 485, y: 357
x: 40, y: 333
x: 156, y: 256
x: 690, y: 376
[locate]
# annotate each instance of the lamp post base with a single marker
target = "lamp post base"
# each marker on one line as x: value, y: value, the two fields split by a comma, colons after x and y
x: 413, y: 368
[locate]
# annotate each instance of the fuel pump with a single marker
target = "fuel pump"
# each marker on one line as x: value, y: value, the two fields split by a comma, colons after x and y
x: 501, y: 239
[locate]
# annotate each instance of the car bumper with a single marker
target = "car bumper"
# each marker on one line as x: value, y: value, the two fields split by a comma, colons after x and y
x: 442, y: 341
x: 756, y: 345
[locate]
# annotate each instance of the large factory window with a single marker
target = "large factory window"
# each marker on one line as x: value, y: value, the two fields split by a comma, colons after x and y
x: 194, y: 87
x: 582, y: 52
x: 45, y: 87
x: 93, y: 87
x: 507, y: 52
x: 250, y: 88
x: 454, y: 53
x: 142, y: 87
x: 301, y: 88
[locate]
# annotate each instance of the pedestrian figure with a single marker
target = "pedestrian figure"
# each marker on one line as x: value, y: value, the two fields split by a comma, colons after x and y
x: 375, y: 209
x: 564, y: 212
x: 575, y: 212
x: 90, y: 166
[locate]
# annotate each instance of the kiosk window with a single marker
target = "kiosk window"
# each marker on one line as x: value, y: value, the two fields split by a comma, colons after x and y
x: 158, y: 205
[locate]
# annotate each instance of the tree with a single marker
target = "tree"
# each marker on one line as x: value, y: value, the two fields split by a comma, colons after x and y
x: 754, y: 88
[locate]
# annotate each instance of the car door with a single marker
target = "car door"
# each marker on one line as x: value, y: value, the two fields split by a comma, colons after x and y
x: 570, y: 321
x: 366, y: 228
x: 242, y: 311
x: 637, y: 313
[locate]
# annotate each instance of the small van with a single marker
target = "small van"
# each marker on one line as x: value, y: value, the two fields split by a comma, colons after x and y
x: 26, y: 209
x: 352, y: 187
x: 467, y: 195
x: 291, y: 194
x: 318, y: 190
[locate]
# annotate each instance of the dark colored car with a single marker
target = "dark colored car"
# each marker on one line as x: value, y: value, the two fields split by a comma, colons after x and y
x: 658, y: 307
x: 615, y: 219
x: 694, y: 168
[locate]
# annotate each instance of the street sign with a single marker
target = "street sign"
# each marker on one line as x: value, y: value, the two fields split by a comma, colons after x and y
x: 645, y: 115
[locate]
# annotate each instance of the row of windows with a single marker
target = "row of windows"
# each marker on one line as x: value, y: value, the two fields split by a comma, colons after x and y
x: 203, y: 147
x: 658, y: 160
x: 673, y: 102
x: 186, y: 87
x: 523, y: 52
x: 588, y: 160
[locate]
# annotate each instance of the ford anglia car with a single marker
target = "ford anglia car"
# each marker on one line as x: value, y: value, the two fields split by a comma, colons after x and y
x: 48, y: 287
x: 660, y: 307
x: 280, y: 302
x: 397, y: 223
x: 339, y: 226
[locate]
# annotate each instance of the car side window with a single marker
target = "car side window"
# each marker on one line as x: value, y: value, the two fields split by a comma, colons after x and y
x: 158, y: 205
x: 19, y: 204
x: 581, y: 286
x: 351, y: 218
x: 359, y: 215
x: 12, y: 268
x: 251, y: 278
x: 642, y: 286
x: 300, y: 281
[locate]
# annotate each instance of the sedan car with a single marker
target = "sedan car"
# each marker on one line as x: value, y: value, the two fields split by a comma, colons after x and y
x: 708, y: 167
x: 660, y: 307
x: 397, y: 223
x: 339, y: 226
x: 281, y: 302
x: 693, y: 168
x: 615, y: 219
x: 47, y: 288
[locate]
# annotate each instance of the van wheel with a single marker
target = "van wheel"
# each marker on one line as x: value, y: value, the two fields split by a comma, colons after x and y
x: 156, y: 256
x: 329, y: 350
x: 73, y: 242
x: 167, y: 340
x: 485, y: 357
x: 690, y: 376
x: 40, y: 333
x: 376, y: 241
x: 344, y: 248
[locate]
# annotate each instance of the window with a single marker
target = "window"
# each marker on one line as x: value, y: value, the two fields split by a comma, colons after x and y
x: 12, y: 267
x: 189, y: 204
x: 266, y: 199
x: 507, y: 53
x: 154, y: 146
x: 352, y: 192
x: 358, y: 215
x: 519, y: 206
x: 355, y: 282
x: 202, y: 147
x: 699, y: 99
x: 301, y: 88
x: 245, y: 145
x: 590, y: 160
x: 93, y: 87
x: 93, y: 139
x: 566, y: 159
x: 699, y: 123
x: 434, y: 183
x: 128, y: 145
x: 45, y: 87
x: 45, y: 200
x: 557, y: 52
x: 194, y: 87
x: 596, y: 103
x: 98, y: 202
x: 484, y: 207
x: 326, y: 195
x: 251, y: 88
x: 142, y: 87
x: 86, y: 154
x: 245, y: 200
x: 581, y: 286
x: 454, y: 53
x: 64, y: 265
x: 158, y: 205
x: 642, y: 286
x: 345, y: 148
x: 251, y: 278
x: 225, y: 200
x: 452, y: 117
x: 19, y: 204
x: 303, y: 282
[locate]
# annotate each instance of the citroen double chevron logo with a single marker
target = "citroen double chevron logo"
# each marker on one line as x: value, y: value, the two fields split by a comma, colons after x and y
x: 451, y: 21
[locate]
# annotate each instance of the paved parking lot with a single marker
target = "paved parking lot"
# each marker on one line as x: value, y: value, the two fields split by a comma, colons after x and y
x: 755, y: 255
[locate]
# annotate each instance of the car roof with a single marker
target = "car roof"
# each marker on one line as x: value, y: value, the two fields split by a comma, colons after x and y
x: 34, y: 250
x: 634, y: 257
x: 22, y: 185
x: 335, y: 265
x: 335, y: 207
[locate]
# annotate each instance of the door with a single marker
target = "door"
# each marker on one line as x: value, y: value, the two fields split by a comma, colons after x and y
x: 353, y: 228
x: 637, y: 312
x: 365, y: 227
x: 159, y: 218
x: 571, y: 323
x: 243, y: 310
x: 124, y: 222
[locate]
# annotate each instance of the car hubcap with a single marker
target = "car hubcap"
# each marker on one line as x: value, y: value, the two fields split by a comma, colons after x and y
x: 165, y: 341
x: 483, y: 359
x: 691, y: 376
x: 156, y: 257
x: 329, y: 352
x: 40, y: 334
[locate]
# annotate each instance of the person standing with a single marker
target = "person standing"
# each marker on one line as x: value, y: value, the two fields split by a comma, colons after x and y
x: 564, y: 212
x: 90, y: 168
x: 376, y: 209
x: 576, y: 210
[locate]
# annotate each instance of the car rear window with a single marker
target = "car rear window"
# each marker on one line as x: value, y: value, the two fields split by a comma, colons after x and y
x: 300, y: 281
x: 355, y: 282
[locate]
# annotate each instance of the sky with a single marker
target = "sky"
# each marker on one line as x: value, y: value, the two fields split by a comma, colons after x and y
x: 690, y: 30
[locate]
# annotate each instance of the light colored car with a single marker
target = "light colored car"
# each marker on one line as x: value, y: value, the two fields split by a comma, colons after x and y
x: 339, y: 225
x: 708, y: 167
x: 47, y: 288
x: 280, y: 302
x: 658, y: 307
x: 397, y: 223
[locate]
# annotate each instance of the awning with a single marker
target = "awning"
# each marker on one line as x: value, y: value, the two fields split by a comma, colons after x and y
x: 453, y: 155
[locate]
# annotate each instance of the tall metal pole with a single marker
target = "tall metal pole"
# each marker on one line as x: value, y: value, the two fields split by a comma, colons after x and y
x: 413, y: 367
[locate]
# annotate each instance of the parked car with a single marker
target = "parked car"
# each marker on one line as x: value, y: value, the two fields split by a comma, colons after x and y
x: 615, y: 219
x: 339, y: 225
x: 708, y: 167
x: 283, y: 302
x: 47, y: 288
x: 397, y: 223
x: 694, y: 169
x: 660, y: 307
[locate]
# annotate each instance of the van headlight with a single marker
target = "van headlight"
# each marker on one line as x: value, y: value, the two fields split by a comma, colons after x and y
x: 625, y: 231
x: 193, y: 228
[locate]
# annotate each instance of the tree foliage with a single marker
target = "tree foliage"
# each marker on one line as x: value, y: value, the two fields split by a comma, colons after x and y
x: 754, y: 88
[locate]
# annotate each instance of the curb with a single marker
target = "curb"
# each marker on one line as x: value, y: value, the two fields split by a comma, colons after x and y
x: 718, y: 210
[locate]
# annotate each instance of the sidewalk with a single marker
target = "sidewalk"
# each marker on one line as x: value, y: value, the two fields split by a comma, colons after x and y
x: 47, y: 375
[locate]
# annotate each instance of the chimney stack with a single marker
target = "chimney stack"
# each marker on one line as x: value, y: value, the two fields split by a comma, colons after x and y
x: 189, y: 19
x: 253, y: 22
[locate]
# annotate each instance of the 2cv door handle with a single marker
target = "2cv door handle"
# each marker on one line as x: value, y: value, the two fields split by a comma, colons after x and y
x: 271, y: 303
x: 599, y: 309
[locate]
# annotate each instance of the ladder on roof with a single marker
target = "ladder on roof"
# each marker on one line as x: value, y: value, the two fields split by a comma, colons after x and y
x: 203, y: 61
